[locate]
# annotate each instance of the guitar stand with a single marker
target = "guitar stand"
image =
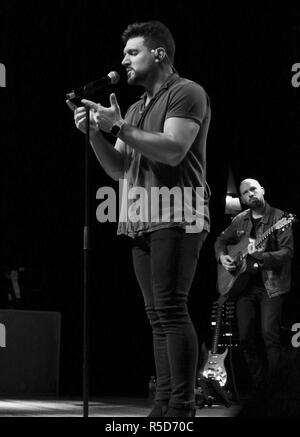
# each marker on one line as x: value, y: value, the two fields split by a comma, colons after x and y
x: 209, y: 392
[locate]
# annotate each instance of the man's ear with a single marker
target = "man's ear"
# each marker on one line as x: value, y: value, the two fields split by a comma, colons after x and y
x: 159, y: 53
x: 263, y: 190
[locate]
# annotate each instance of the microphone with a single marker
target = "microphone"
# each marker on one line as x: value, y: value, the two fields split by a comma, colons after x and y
x: 112, y: 78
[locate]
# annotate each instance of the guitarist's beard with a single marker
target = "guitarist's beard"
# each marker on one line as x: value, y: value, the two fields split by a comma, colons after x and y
x: 256, y: 204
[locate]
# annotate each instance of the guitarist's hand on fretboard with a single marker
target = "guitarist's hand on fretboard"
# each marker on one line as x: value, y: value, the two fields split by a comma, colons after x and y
x: 227, y: 262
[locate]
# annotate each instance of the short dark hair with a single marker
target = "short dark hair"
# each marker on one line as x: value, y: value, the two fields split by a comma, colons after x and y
x: 155, y: 34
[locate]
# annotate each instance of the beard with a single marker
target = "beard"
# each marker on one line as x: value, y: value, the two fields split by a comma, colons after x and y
x: 256, y: 203
x: 133, y: 78
x: 130, y: 76
x: 137, y: 77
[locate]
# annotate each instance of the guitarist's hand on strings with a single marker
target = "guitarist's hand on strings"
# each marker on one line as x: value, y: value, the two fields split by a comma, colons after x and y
x: 227, y: 262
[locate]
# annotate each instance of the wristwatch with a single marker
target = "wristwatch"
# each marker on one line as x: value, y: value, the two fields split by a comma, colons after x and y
x: 115, y: 130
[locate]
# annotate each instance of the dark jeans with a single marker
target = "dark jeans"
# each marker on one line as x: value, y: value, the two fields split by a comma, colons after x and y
x: 258, y: 313
x: 165, y: 262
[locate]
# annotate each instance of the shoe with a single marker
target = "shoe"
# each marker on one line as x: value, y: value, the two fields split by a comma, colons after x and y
x: 180, y: 412
x: 159, y: 409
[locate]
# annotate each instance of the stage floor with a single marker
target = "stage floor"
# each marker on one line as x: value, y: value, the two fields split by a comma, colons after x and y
x: 102, y: 407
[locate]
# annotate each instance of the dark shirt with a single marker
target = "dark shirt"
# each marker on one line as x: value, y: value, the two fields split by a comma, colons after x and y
x: 255, y: 225
x: 177, y: 97
x: 256, y: 278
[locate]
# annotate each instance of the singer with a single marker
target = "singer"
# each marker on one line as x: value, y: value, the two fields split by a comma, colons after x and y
x: 160, y: 142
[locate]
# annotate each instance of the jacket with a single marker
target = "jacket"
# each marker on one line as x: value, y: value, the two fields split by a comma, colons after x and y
x: 278, y: 252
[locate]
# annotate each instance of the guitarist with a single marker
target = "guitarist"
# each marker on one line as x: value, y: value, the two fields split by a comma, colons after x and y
x: 259, y: 304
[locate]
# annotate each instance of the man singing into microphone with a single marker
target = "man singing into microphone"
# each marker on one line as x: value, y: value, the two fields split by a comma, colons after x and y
x: 160, y: 143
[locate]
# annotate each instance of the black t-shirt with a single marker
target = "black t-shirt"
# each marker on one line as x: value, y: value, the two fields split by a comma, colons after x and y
x: 255, y: 224
x: 257, y: 278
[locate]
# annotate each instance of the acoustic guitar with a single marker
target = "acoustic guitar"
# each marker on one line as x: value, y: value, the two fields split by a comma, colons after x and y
x: 234, y: 282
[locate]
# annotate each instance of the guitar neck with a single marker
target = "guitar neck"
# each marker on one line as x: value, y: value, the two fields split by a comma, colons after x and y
x: 260, y: 240
x: 214, y: 346
x: 265, y: 235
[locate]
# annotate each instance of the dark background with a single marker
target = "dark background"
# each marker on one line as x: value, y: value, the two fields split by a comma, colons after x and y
x: 242, y: 55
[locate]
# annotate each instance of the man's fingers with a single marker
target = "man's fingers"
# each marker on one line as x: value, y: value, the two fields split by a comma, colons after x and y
x: 79, y: 116
x: 71, y: 105
x: 90, y: 104
x: 113, y: 100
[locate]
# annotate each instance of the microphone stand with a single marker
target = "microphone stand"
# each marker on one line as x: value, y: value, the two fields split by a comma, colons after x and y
x: 86, y: 275
x: 113, y: 77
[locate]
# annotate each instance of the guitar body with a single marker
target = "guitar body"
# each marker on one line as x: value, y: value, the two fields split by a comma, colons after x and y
x: 234, y: 282
x: 214, y: 367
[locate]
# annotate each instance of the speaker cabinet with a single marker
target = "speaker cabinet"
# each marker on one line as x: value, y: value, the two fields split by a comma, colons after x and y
x: 29, y: 352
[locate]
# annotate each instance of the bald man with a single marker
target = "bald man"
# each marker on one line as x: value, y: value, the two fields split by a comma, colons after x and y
x: 259, y: 303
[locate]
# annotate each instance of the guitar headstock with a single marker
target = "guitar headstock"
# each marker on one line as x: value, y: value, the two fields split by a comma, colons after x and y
x: 287, y: 220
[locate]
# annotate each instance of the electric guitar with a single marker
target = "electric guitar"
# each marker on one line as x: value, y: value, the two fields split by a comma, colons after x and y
x: 234, y: 282
x: 214, y: 367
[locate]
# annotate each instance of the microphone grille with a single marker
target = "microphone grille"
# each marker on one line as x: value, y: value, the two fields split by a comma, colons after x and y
x: 114, y: 77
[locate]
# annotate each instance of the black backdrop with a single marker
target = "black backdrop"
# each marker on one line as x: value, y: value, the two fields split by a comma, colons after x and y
x: 242, y: 55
